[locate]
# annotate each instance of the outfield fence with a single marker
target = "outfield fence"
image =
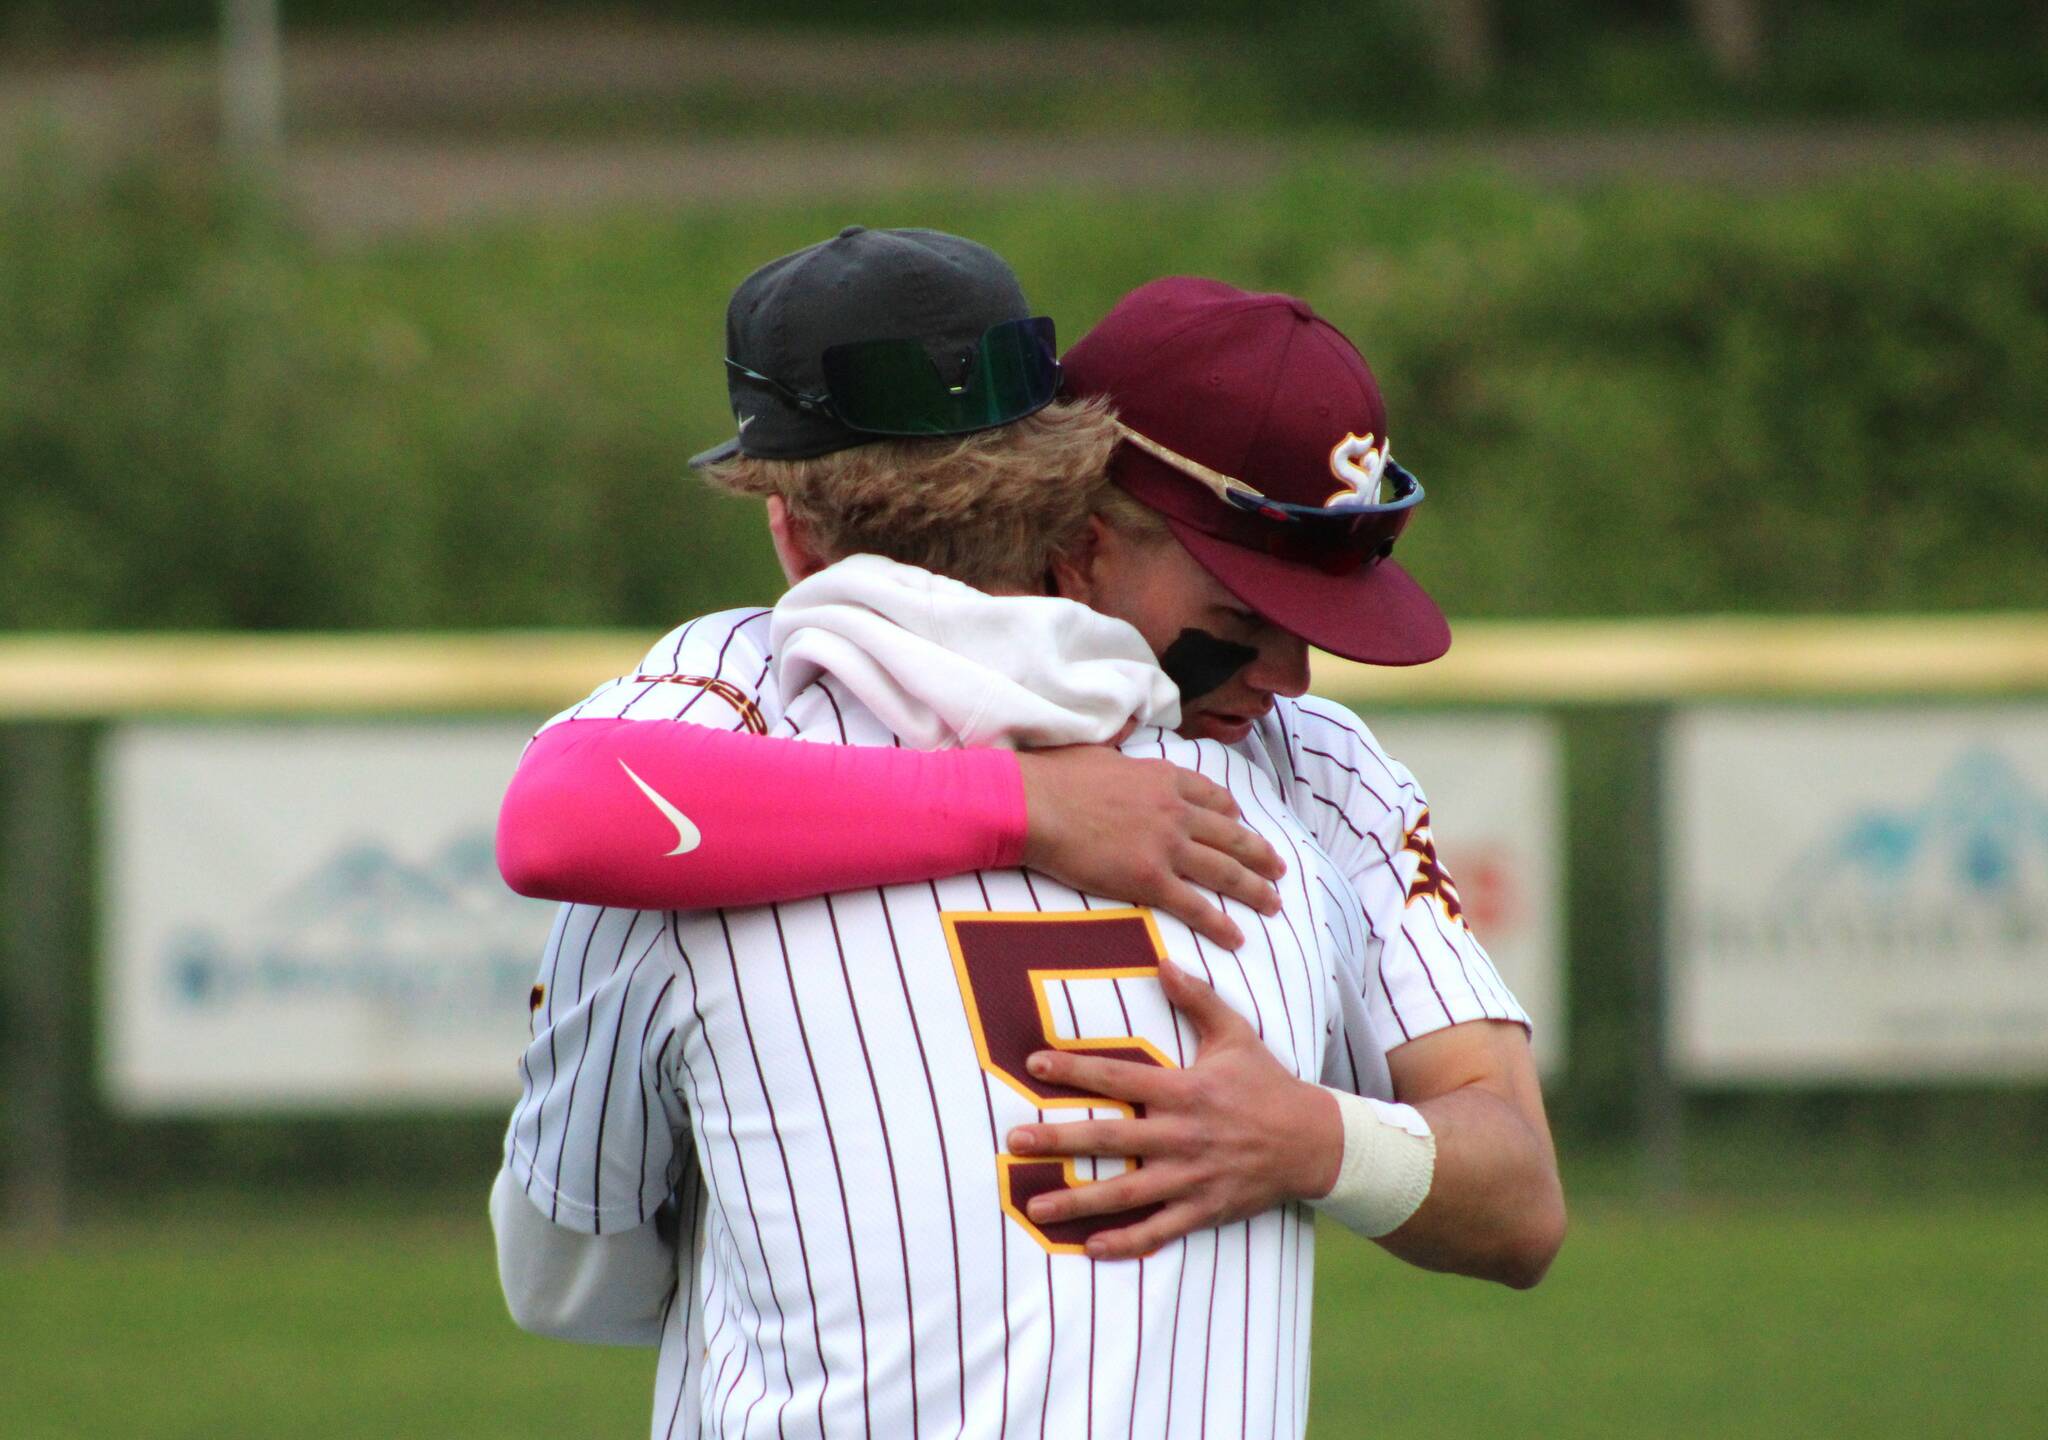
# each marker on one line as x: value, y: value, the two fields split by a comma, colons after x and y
x: 1667, y: 829
x: 95, y: 677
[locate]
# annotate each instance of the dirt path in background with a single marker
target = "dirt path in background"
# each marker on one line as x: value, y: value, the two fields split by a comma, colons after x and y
x: 372, y: 116
x: 364, y: 188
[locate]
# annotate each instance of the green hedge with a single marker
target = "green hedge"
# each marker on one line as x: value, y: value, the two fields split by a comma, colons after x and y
x: 1636, y: 402
x: 1665, y: 403
x: 205, y: 423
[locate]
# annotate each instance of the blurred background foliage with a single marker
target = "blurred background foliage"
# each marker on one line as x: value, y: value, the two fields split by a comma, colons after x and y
x: 1654, y: 400
x: 1341, y: 62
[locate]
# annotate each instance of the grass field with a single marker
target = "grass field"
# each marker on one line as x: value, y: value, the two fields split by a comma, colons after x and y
x: 1818, y: 1319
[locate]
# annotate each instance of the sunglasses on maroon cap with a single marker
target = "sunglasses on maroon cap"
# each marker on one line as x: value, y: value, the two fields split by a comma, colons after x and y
x: 1341, y: 537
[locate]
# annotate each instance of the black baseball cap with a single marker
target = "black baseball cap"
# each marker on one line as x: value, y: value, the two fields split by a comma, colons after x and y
x: 878, y: 333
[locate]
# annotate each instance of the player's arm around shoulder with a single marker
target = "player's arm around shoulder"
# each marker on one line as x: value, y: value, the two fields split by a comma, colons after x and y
x: 605, y: 809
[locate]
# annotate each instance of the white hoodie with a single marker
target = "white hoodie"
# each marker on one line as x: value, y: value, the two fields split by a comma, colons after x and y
x: 943, y: 665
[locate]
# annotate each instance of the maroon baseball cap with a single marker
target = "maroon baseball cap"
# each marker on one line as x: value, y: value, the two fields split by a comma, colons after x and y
x: 1256, y: 430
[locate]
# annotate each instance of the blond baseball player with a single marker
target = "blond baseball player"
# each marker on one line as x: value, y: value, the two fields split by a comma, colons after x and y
x: 848, y: 1068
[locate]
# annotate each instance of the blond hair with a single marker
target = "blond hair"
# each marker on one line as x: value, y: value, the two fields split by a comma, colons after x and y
x: 990, y: 509
x: 1137, y: 520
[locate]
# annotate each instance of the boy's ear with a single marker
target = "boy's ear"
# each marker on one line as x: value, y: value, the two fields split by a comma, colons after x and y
x: 794, y: 548
x: 1074, y: 568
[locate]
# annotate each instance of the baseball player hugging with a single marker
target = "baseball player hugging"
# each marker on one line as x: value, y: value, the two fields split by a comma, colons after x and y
x: 846, y: 1068
x: 844, y: 1108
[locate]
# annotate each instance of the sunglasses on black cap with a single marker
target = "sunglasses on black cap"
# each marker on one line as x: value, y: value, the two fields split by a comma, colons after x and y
x: 892, y: 387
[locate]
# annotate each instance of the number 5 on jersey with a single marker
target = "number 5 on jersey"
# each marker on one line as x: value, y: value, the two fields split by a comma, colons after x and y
x: 1008, y: 963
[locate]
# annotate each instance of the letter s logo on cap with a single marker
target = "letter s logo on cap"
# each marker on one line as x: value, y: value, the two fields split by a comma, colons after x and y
x: 1361, y: 481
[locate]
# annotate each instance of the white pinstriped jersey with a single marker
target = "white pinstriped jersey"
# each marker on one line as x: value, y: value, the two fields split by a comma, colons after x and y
x: 849, y: 1064
x: 1368, y: 813
x: 1361, y: 806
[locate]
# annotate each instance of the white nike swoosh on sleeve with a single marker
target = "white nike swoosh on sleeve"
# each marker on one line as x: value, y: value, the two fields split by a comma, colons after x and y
x: 688, y: 837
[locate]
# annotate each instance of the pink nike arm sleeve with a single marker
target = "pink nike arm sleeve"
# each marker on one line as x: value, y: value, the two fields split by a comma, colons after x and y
x: 662, y: 815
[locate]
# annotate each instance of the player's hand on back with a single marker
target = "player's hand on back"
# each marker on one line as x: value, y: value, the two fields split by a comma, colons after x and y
x: 1231, y: 1136
x: 1147, y: 832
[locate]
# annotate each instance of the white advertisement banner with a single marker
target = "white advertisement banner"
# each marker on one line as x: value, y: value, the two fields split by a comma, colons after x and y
x: 1859, y: 894
x: 1494, y: 786
x: 310, y: 915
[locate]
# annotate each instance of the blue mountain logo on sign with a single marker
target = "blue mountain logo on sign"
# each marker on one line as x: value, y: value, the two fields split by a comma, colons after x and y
x: 368, y: 925
x: 1895, y: 889
x: 1974, y: 833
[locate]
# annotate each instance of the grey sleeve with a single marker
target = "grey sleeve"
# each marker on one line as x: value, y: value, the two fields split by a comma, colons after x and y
x: 609, y: 1289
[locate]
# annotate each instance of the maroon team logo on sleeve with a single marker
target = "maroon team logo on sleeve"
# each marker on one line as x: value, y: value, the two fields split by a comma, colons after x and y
x: 1432, y: 881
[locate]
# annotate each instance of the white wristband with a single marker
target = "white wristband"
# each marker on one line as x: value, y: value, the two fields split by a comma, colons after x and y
x: 1389, y: 1161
